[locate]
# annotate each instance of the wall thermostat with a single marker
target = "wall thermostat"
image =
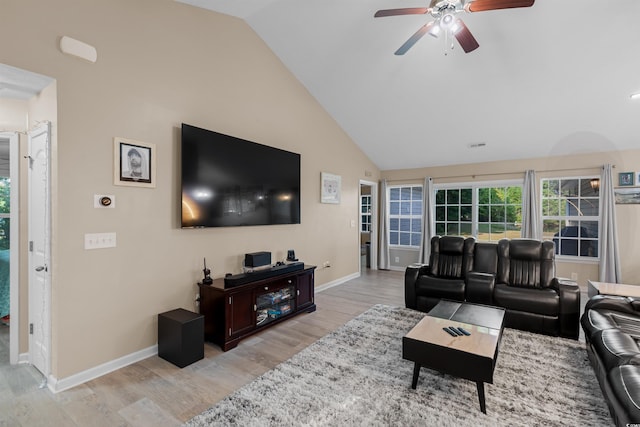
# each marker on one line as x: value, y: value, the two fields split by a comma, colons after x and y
x: 104, y: 201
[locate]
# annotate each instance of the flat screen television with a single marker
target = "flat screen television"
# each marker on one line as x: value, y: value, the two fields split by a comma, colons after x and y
x: 228, y: 181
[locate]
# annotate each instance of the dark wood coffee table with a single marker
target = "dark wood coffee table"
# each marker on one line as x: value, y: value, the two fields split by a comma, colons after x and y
x: 470, y: 357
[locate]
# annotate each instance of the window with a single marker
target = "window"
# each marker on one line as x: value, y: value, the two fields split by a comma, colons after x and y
x: 488, y: 212
x: 365, y: 213
x: 571, y: 215
x: 405, y: 216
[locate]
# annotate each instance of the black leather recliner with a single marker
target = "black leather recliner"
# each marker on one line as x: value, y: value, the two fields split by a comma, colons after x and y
x: 450, y: 259
x: 516, y: 274
x: 611, y: 327
x: 527, y: 287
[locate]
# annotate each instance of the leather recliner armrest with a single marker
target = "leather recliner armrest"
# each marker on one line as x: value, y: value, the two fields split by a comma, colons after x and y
x: 611, y: 302
x: 411, y: 275
x: 479, y: 287
x: 569, y: 293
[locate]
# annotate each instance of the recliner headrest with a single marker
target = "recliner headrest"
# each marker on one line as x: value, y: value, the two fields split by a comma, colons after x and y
x: 525, y: 249
x: 451, y: 245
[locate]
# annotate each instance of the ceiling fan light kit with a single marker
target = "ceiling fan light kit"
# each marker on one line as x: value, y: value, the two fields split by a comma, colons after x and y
x: 445, y: 20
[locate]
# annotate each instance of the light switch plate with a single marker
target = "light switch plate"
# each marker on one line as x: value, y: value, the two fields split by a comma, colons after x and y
x: 99, y: 240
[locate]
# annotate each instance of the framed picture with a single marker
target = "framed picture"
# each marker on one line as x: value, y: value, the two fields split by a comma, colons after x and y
x: 625, y: 178
x: 134, y: 163
x: 330, y: 188
x: 627, y: 196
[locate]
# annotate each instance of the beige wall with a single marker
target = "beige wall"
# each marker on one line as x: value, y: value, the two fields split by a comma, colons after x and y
x: 13, y: 115
x: 575, y: 165
x: 161, y: 63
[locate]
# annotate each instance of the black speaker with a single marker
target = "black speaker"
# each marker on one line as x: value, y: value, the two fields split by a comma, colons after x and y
x: 291, y: 255
x: 257, y: 259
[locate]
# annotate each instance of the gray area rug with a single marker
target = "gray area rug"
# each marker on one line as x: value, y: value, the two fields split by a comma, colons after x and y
x: 356, y: 376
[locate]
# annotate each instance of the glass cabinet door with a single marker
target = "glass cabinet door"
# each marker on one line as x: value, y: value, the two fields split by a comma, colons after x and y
x: 273, y: 305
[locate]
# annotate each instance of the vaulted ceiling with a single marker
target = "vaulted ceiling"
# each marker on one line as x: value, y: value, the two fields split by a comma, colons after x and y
x: 552, y: 79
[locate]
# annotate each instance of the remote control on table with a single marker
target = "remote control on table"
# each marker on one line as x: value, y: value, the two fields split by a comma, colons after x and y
x: 450, y: 332
x: 464, y: 331
x: 455, y: 331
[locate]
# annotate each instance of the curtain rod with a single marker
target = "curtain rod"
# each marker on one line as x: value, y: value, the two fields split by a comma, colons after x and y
x: 503, y: 173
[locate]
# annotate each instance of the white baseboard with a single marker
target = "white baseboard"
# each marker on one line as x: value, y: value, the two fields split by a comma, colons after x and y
x: 23, y: 358
x: 397, y: 268
x: 57, y: 385
x: 337, y: 282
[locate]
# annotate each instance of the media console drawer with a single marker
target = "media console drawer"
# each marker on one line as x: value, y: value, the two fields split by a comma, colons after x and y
x: 235, y: 313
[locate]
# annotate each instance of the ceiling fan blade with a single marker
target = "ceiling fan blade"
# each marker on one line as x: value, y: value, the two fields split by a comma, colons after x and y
x: 414, y: 38
x: 404, y: 11
x: 482, y: 5
x: 464, y: 37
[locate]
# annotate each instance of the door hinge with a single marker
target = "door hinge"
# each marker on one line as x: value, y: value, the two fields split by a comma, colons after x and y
x: 30, y: 328
x: 31, y: 246
x: 229, y: 331
x: 229, y: 300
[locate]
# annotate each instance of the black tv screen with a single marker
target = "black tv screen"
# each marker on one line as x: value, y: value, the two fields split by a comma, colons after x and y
x: 228, y: 181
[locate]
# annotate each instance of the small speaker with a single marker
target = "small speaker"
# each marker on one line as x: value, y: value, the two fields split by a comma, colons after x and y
x: 257, y: 259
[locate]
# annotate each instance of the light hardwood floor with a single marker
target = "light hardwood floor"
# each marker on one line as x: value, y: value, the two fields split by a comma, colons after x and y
x: 154, y: 392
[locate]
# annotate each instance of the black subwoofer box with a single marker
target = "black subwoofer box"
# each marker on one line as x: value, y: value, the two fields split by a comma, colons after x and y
x: 181, y: 337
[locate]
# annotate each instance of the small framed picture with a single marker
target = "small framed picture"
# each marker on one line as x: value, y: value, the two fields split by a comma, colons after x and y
x: 134, y: 163
x: 330, y: 188
x: 625, y: 179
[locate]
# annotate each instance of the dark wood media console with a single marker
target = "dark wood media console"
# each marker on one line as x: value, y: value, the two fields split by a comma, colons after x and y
x: 232, y: 314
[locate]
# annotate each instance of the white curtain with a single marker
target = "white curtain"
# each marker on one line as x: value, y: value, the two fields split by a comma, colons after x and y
x: 609, y: 251
x: 427, y: 220
x: 383, y: 259
x: 530, y: 211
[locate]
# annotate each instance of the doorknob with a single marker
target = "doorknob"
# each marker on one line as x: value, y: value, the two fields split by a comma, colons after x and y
x: 41, y: 268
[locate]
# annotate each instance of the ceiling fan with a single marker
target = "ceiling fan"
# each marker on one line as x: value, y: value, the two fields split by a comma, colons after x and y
x: 444, y: 13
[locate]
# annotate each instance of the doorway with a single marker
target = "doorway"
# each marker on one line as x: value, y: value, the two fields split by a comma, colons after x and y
x: 9, y: 239
x: 22, y: 101
x: 368, y: 208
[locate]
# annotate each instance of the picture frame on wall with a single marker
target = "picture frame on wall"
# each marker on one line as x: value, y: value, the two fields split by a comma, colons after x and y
x: 330, y: 188
x: 134, y: 163
x: 627, y: 196
x: 625, y: 179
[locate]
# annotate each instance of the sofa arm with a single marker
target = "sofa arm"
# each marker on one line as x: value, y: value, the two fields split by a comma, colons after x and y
x: 611, y: 302
x: 411, y: 275
x: 479, y: 287
x: 569, y: 293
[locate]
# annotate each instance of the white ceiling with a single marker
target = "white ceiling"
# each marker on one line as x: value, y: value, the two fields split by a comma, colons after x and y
x: 552, y: 79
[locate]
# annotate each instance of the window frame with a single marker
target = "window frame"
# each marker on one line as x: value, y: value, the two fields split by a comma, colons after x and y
x: 399, y: 216
x: 597, y: 218
x: 474, y: 186
x: 365, y: 215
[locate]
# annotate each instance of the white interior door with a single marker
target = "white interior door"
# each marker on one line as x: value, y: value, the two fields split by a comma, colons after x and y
x: 39, y: 249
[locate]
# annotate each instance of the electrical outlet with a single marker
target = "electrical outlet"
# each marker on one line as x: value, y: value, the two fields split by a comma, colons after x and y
x: 574, y: 276
x: 397, y: 259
